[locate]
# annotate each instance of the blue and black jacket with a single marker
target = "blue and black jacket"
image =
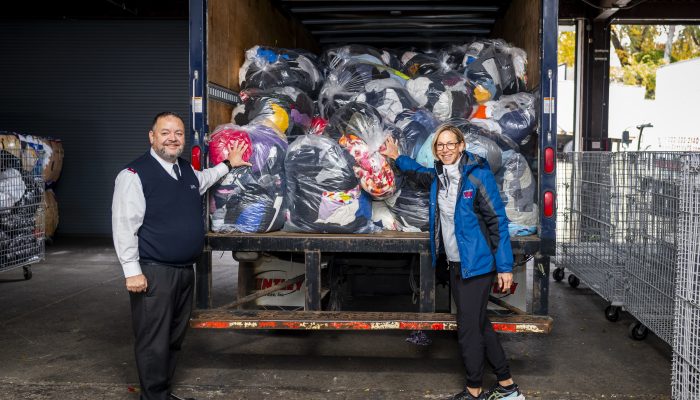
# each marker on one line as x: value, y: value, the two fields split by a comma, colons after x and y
x: 481, y: 225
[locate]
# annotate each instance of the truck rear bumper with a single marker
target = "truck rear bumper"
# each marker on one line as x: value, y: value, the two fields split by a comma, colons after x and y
x: 363, y: 321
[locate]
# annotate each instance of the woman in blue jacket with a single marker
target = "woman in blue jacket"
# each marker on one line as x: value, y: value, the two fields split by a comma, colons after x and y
x: 467, y: 214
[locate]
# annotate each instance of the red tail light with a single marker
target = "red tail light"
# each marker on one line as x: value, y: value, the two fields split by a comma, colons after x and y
x: 548, y: 204
x: 196, y: 158
x: 549, y: 160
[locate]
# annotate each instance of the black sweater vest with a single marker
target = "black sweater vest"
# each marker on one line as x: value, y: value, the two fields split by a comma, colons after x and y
x: 173, y: 228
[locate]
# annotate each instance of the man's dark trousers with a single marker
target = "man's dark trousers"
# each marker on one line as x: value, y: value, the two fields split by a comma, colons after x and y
x: 160, y: 318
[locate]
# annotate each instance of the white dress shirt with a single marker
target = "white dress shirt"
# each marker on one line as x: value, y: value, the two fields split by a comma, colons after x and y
x: 129, y: 209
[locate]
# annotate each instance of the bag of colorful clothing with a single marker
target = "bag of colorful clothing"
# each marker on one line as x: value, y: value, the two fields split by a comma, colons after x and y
x: 359, y: 129
x: 323, y: 194
x: 249, y: 199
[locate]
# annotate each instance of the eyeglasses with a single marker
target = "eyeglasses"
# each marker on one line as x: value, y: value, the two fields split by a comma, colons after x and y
x: 449, y: 146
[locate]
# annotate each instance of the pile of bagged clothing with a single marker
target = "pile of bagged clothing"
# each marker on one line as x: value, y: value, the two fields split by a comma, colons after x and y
x: 29, y: 168
x: 315, y: 126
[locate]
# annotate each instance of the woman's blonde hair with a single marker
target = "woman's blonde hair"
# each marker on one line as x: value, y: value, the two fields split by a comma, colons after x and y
x: 446, y: 127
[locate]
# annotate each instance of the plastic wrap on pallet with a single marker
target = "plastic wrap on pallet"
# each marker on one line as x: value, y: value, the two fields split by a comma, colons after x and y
x: 518, y: 187
x: 447, y: 95
x: 425, y: 64
x: 344, y: 83
x: 269, y: 67
x: 251, y: 199
x: 323, y: 193
x: 496, y: 68
x: 286, y: 109
x: 360, y: 130
x: 388, y: 96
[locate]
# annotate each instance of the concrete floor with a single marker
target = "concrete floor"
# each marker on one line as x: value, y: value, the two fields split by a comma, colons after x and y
x: 66, y: 334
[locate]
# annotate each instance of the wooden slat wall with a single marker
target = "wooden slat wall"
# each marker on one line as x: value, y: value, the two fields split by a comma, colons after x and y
x: 520, y: 26
x: 235, y: 26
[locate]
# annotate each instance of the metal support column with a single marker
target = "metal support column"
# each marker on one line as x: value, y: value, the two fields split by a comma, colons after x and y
x: 203, y: 280
x: 313, y: 280
x: 597, y: 80
x: 540, y: 282
x: 427, y: 283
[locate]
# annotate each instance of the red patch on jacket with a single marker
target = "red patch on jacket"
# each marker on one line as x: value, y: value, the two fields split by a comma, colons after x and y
x: 468, y: 194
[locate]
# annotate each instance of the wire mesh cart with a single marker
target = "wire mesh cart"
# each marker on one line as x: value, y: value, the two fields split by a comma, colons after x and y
x: 686, y: 329
x: 650, y: 270
x: 21, y: 209
x: 591, y: 242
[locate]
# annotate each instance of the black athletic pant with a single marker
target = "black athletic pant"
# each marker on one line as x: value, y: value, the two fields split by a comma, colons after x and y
x: 476, y: 337
x: 160, y: 318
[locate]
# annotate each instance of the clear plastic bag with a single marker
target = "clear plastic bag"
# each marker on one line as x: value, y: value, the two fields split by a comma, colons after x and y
x: 224, y: 136
x: 486, y: 128
x: 518, y: 188
x: 323, y: 194
x: 359, y: 129
x: 425, y: 64
x: 446, y: 95
x: 453, y: 56
x: 414, y: 128
x: 336, y: 57
x: 269, y: 67
x: 388, y: 96
x: 286, y: 109
x: 251, y: 199
x: 496, y: 68
x: 344, y: 83
x: 411, y: 206
x: 517, y: 116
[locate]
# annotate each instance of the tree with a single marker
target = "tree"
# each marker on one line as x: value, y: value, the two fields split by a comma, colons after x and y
x: 641, y: 54
x: 687, y: 44
x: 567, y: 48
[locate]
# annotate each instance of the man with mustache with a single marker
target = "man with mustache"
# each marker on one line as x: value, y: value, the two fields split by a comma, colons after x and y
x: 158, y: 233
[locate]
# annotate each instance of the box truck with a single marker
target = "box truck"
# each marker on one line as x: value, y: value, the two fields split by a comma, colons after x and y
x: 220, y: 33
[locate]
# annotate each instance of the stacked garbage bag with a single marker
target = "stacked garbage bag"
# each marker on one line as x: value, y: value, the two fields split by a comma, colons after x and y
x: 26, y: 163
x: 336, y: 111
x: 323, y: 193
x: 496, y: 68
x: 411, y: 204
x: 359, y: 129
x: 269, y: 67
x: 249, y: 199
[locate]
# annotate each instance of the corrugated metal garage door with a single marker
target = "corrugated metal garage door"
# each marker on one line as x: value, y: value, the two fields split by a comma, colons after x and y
x: 96, y: 85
